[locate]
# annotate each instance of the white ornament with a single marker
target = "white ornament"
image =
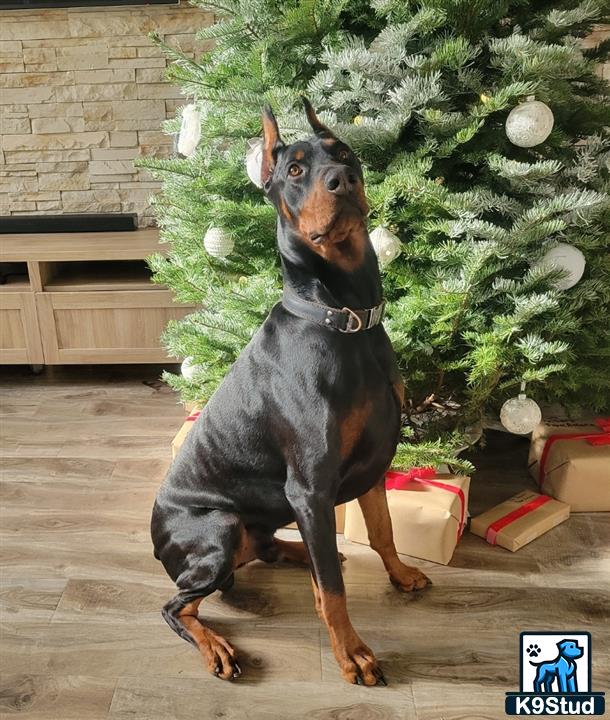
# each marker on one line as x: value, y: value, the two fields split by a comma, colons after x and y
x: 190, y: 131
x: 385, y: 244
x: 564, y: 257
x: 189, y: 368
x: 530, y: 123
x: 520, y: 415
x: 254, y: 159
x: 218, y: 242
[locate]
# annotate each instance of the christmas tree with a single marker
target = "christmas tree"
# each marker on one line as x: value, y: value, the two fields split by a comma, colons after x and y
x: 482, y: 130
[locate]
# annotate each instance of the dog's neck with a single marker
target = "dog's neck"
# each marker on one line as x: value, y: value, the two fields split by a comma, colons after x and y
x: 312, y: 278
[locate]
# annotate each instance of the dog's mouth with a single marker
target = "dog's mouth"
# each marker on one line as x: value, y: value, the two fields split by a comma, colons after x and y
x: 340, y: 227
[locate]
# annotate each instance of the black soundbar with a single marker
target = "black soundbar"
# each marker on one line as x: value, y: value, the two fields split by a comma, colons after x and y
x: 81, y: 222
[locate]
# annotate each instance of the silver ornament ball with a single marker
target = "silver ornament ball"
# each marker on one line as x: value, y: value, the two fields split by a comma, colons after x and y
x: 385, y: 244
x: 529, y: 124
x: 188, y: 369
x: 218, y: 242
x: 190, y: 131
x: 567, y: 258
x: 254, y: 157
x: 520, y: 415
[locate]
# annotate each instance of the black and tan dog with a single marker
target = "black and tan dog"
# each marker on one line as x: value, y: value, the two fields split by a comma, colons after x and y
x: 308, y: 416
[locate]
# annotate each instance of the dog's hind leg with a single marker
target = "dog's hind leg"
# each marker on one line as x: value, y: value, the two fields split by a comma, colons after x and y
x: 271, y: 549
x: 200, y: 554
x: 296, y: 552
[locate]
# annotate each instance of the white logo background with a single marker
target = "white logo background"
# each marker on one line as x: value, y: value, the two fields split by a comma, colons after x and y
x: 549, y: 651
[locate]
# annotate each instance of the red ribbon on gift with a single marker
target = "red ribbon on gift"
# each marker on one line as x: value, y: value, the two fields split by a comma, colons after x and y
x: 398, y: 480
x: 492, y: 531
x: 193, y: 417
x: 597, y: 438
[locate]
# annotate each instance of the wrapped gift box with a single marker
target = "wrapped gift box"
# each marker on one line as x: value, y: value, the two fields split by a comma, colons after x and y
x: 428, y: 515
x: 180, y: 437
x: 571, y: 462
x: 519, y: 520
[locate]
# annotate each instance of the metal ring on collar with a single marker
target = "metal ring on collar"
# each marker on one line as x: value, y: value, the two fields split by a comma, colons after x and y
x: 352, y: 316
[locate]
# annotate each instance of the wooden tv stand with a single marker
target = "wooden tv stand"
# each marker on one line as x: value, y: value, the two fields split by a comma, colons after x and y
x: 72, y: 298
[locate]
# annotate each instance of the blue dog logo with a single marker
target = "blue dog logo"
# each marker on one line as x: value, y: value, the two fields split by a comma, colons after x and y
x: 561, y: 670
x: 557, y: 686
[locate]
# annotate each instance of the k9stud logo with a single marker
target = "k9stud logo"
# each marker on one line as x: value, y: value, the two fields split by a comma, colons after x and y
x: 555, y: 676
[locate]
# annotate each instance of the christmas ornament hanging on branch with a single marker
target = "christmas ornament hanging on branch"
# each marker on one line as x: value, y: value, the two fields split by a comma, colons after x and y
x: 190, y: 131
x: 189, y: 368
x: 254, y: 157
x: 520, y: 415
x: 218, y: 242
x: 530, y: 123
x: 567, y: 258
x: 385, y: 244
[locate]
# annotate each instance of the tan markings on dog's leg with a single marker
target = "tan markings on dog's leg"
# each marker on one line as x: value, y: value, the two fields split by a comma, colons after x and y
x: 292, y: 551
x: 316, y: 598
x: 295, y: 551
x: 351, y: 427
x: 374, y: 505
x: 218, y: 655
x: 356, y: 660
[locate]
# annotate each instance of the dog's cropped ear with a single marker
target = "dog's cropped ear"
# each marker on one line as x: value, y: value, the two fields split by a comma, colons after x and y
x: 271, y: 142
x: 319, y: 128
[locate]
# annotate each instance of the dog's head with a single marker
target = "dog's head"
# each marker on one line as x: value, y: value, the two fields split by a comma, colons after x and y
x: 570, y: 649
x: 317, y: 187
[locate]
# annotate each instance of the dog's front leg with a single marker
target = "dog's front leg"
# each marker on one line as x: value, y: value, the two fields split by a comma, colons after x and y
x: 374, y: 506
x: 316, y: 521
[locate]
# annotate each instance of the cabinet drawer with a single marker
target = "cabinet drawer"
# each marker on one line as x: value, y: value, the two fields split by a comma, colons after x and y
x: 19, y: 333
x: 106, y: 327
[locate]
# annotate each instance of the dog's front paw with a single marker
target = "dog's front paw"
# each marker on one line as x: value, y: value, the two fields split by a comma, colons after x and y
x: 359, y: 666
x: 407, y: 579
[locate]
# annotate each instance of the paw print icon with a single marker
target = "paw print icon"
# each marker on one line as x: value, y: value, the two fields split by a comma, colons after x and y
x: 533, y: 650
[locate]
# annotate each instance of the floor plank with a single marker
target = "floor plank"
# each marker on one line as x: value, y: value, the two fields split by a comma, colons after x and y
x: 55, y: 697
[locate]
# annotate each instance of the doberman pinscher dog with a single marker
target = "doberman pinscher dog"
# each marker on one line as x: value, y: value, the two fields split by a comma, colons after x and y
x: 308, y: 416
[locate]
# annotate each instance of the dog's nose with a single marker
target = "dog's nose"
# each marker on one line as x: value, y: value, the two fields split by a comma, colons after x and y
x: 340, y: 181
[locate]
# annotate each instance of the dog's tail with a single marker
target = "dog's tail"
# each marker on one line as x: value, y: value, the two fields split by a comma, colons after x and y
x: 543, y: 662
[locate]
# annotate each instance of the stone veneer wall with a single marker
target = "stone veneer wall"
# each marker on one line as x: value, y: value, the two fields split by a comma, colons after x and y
x: 82, y: 93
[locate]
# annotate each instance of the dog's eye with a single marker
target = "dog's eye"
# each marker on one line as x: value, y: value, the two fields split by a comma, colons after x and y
x: 343, y: 155
x: 295, y: 170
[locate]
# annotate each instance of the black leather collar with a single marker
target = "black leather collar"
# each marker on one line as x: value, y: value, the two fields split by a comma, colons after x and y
x: 344, y: 320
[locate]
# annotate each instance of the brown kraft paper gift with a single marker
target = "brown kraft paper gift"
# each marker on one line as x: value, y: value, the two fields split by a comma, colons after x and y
x: 575, y: 470
x: 519, y: 520
x: 426, y: 520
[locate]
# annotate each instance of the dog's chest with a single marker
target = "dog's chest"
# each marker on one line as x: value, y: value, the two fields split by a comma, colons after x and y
x: 369, y: 435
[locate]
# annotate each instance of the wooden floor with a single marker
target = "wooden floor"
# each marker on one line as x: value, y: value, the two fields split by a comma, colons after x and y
x: 83, y: 453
